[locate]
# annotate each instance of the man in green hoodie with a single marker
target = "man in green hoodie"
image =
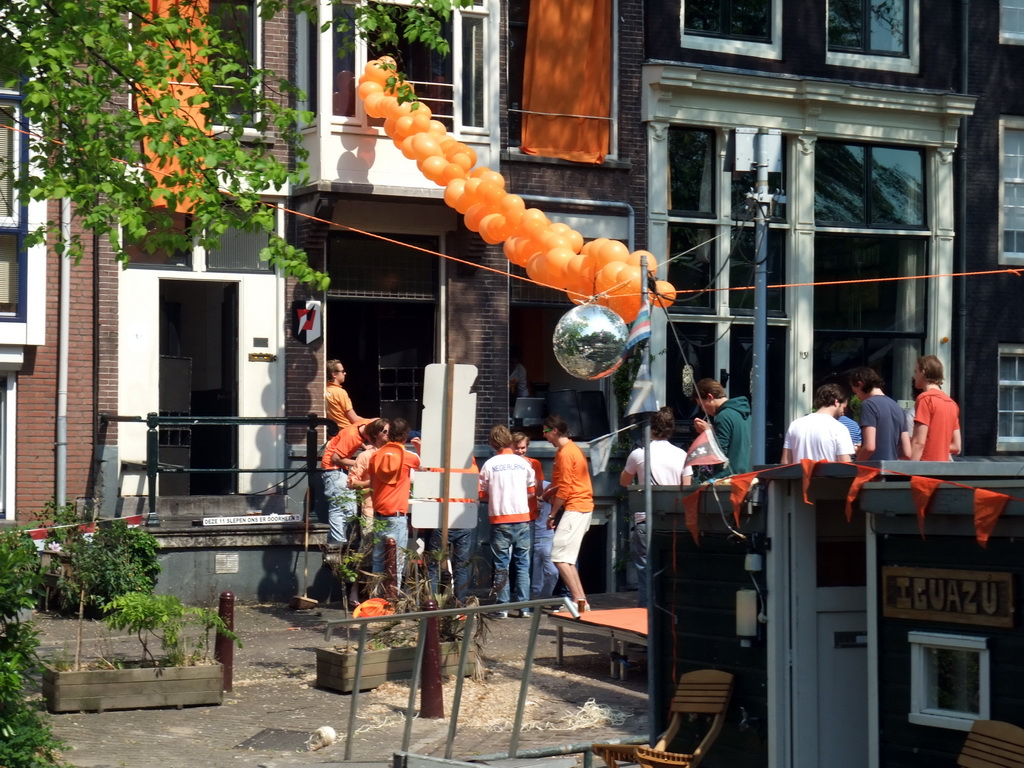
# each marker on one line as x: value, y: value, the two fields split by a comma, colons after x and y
x: 732, y: 425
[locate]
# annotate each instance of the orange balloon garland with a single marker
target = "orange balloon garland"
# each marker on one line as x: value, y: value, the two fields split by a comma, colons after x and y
x: 553, y: 254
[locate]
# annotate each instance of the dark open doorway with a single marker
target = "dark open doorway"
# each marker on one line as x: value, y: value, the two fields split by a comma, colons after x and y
x: 199, y: 377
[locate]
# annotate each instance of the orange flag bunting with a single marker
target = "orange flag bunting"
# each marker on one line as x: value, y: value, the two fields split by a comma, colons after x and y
x: 864, y: 475
x: 988, y: 506
x: 808, y: 467
x: 740, y: 485
x: 691, y: 504
x: 921, y: 489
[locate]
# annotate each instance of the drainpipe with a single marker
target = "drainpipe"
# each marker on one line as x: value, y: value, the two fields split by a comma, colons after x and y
x: 961, y: 235
x: 61, y: 446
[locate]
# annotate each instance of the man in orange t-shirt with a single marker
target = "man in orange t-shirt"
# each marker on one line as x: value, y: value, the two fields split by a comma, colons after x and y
x: 391, y: 470
x: 573, y: 497
x: 337, y: 401
x: 936, y: 435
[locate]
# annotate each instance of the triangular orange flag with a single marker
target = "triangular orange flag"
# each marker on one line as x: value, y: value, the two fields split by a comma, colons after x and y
x: 864, y: 475
x: 691, y: 504
x: 988, y: 506
x: 808, y: 467
x: 921, y: 490
x: 739, y: 488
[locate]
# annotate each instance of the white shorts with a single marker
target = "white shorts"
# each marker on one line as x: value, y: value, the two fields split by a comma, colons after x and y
x: 569, y: 536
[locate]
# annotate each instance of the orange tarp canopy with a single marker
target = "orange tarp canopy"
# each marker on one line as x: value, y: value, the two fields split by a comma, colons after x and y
x: 567, y: 80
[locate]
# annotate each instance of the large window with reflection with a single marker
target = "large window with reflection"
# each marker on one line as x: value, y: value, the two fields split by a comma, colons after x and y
x: 875, y: 27
x: 870, y: 246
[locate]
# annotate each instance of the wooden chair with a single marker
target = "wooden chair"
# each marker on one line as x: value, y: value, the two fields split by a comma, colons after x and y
x: 993, y: 744
x: 704, y: 692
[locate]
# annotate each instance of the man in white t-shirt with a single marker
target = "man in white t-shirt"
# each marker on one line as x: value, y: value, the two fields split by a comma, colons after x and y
x: 507, y: 482
x: 820, y: 436
x: 668, y: 467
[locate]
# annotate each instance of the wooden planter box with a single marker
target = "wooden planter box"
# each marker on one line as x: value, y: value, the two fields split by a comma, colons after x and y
x: 336, y: 670
x: 97, y: 690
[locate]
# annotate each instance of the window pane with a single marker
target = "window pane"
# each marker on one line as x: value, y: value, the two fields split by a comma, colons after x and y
x: 430, y: 72
x: 1007, y: 368
x: 1012, y: 17
x: 153, y: 249
x: 343, y: 86
x: 691, y: 267
x: 894, y: 306
x: 1013, y: 191
x: 703, y: 16
x: 888, y: 26
x: 473, y: 71
x: 691, y: 156
x: 846, y: 24
x: 953, y: 680
x: 362, y: 266
x: 7, y: 160
x: 868, y: 26
x: 750, y: 19
x: 237, y: 25
x: 897, y: 186
x: 239, y: 251
x: 839, y: 183
x: 8, y: 274
x: 747, y: 19
x: 742, y: 263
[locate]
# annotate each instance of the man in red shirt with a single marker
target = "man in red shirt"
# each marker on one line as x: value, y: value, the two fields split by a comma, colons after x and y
x: 936, y: 434
x: 391, y: 470
x: 573, y: 496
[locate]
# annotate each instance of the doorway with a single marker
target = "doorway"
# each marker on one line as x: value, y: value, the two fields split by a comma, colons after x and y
x: 199, y: 377
x: 385, y: 347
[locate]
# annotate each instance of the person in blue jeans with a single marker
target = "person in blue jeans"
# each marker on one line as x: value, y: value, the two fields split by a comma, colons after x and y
x: 507, y: 482
x: 460, y: 549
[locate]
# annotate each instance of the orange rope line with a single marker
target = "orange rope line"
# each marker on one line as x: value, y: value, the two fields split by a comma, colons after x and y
x: 679, y: 292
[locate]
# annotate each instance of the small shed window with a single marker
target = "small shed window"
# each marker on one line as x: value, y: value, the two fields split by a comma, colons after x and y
x: 949, y: 680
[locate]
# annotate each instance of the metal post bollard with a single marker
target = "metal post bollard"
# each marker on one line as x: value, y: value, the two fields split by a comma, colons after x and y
x: 391, y: 569
x: 431, y: 695
x: 224, y: 646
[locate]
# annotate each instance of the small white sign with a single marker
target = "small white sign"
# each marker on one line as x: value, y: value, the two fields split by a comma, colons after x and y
x: 252, y: 519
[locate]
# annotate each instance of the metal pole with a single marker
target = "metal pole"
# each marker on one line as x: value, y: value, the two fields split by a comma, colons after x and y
x: 60, y: 490
x: 652, y: 640
x: 224, y: 648
x: 758, y: 404
x: 152, y: 457
x: 431, y: 694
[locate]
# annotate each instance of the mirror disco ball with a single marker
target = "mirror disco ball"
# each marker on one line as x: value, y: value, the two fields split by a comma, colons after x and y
x: 589, y: 341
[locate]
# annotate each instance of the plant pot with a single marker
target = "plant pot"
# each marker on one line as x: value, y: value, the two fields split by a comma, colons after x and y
x: 336, y: 670
x: 96, y: 690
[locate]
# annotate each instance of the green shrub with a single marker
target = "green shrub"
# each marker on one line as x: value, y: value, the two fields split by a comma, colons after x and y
x: 25, y: 738
x: 183, y: 632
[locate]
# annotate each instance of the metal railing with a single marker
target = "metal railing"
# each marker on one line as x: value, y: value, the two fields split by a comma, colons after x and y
x: 155, y: 421
x: 471, y: 613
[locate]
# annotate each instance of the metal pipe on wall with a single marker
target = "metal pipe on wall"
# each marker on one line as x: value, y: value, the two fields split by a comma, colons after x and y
x: 64, y: 318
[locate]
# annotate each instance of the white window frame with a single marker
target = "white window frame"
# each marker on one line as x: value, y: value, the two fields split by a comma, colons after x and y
x: 1005, y: 442
x: 1007, y: 124
x: 325, y: 62
x: 1011, y: 36
x: 13, y: 221
x: 769, y: 50
x: 249, y: 133
x: 920, y: 713
x: 910, y: 63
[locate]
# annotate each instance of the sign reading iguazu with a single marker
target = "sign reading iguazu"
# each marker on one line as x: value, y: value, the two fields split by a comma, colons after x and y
x: 938, y: 594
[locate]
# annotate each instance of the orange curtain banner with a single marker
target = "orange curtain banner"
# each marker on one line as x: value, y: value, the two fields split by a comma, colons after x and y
x: 864, y: 475
x: 988, y: 506
x: 921, y: 490
x: 739, y: 488
x: 567, y: 80
x: 691, y: 504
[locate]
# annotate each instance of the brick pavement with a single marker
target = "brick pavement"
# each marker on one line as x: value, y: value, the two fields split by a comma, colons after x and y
x: 273, y: 689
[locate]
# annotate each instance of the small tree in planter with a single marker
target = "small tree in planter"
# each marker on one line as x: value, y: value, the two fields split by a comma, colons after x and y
x: 183, y: 632
x: 114, y: 561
